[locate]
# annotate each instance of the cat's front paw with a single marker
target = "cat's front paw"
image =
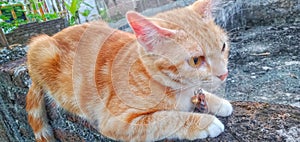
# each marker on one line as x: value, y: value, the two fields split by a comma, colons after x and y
x: 225, y: 109
x: 213, y: 130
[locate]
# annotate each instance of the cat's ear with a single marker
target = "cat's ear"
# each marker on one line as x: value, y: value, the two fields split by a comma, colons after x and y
x: 203, y: 7
x: 148, y: 34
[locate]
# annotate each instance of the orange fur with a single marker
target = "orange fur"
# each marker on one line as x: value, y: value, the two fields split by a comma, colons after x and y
x: 138, y: 87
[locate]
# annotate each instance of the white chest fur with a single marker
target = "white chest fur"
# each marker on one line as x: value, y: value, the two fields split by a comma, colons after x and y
x: 184, y: 102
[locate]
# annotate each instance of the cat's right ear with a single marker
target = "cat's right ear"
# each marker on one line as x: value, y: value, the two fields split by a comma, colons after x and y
x: 148, y: 34
x: 203, y: 7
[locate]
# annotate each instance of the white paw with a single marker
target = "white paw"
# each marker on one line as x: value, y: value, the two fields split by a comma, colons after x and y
x: 213, y: 130
x: 225, y: 110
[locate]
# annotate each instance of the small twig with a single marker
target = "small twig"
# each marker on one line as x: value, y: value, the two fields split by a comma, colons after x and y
x: 261, y: 54
x: 293, y: 75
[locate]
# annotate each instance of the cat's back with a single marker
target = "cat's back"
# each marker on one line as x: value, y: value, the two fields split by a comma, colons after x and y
x: 71, y: 37
x: 50, y: 58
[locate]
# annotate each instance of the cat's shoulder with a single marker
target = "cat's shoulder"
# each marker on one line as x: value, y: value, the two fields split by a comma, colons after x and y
x: 77, y: 30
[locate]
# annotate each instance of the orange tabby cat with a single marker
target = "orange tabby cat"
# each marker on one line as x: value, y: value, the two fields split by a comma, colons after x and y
x: 133, y: 87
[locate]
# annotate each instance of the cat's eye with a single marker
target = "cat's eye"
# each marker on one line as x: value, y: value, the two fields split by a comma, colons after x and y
x: 224, y: 47
x: 196, y: 61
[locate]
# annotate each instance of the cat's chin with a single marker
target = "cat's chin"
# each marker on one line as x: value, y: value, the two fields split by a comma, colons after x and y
x: 210, y: 88
x: 212, y: 85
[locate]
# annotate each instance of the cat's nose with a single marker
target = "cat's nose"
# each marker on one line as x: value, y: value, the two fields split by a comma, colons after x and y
x: 224, y: 76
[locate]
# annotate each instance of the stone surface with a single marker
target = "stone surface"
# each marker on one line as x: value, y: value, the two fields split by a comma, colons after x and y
x: 236, y: 14
x: 251, y: 121
x: 14, y: 82
x: 25, y: 32
x: 12, y: 53
x: 264, y: 65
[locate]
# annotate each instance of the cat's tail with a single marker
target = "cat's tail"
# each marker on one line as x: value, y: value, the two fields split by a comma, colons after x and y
x: 37, y: 117
x: 40, y: 56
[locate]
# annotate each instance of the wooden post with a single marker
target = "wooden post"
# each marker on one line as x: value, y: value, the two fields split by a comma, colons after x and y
x: 3, y: 39
x: 13, y: 13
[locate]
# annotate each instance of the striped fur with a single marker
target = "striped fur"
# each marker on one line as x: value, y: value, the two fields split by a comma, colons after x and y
x: 137, y: 87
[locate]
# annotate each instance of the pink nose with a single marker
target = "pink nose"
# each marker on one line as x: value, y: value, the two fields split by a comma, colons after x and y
x: 223, y: 77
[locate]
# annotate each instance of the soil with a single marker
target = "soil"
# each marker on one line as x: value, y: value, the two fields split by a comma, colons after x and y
x: 264, y: 65
x: 252, y: 121
x: 12, y: 53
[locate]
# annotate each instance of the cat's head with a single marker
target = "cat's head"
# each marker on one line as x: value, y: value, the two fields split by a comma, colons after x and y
x: 183, y: 47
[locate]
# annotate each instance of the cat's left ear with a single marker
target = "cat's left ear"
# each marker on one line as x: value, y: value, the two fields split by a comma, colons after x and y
x: 148, y: 34
x: 203, y: 7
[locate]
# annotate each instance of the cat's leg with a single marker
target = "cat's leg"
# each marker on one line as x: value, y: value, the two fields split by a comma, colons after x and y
x: 217, y: 105
x: 163, y: 124
x: 37, y: 117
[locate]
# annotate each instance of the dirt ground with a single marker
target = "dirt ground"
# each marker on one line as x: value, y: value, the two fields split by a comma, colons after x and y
x: 264, y: 65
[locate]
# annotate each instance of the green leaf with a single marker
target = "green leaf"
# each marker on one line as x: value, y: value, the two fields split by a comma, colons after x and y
x: 50, y: 16
x: 86, y: 13
x: 73, y: 8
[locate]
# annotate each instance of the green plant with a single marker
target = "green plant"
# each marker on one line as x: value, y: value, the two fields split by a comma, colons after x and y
x: 19, y: 11
x: 39, y: 17
x: 10, y: 26
x: 33, y: 4
x: 41, y: 10
x: 51, y: 16
x: 8, y: 20
x: 104, y: 15
x: 86, y: 12
x: 73, y: 8
x: 7, y: 27
x: 35, y: 17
